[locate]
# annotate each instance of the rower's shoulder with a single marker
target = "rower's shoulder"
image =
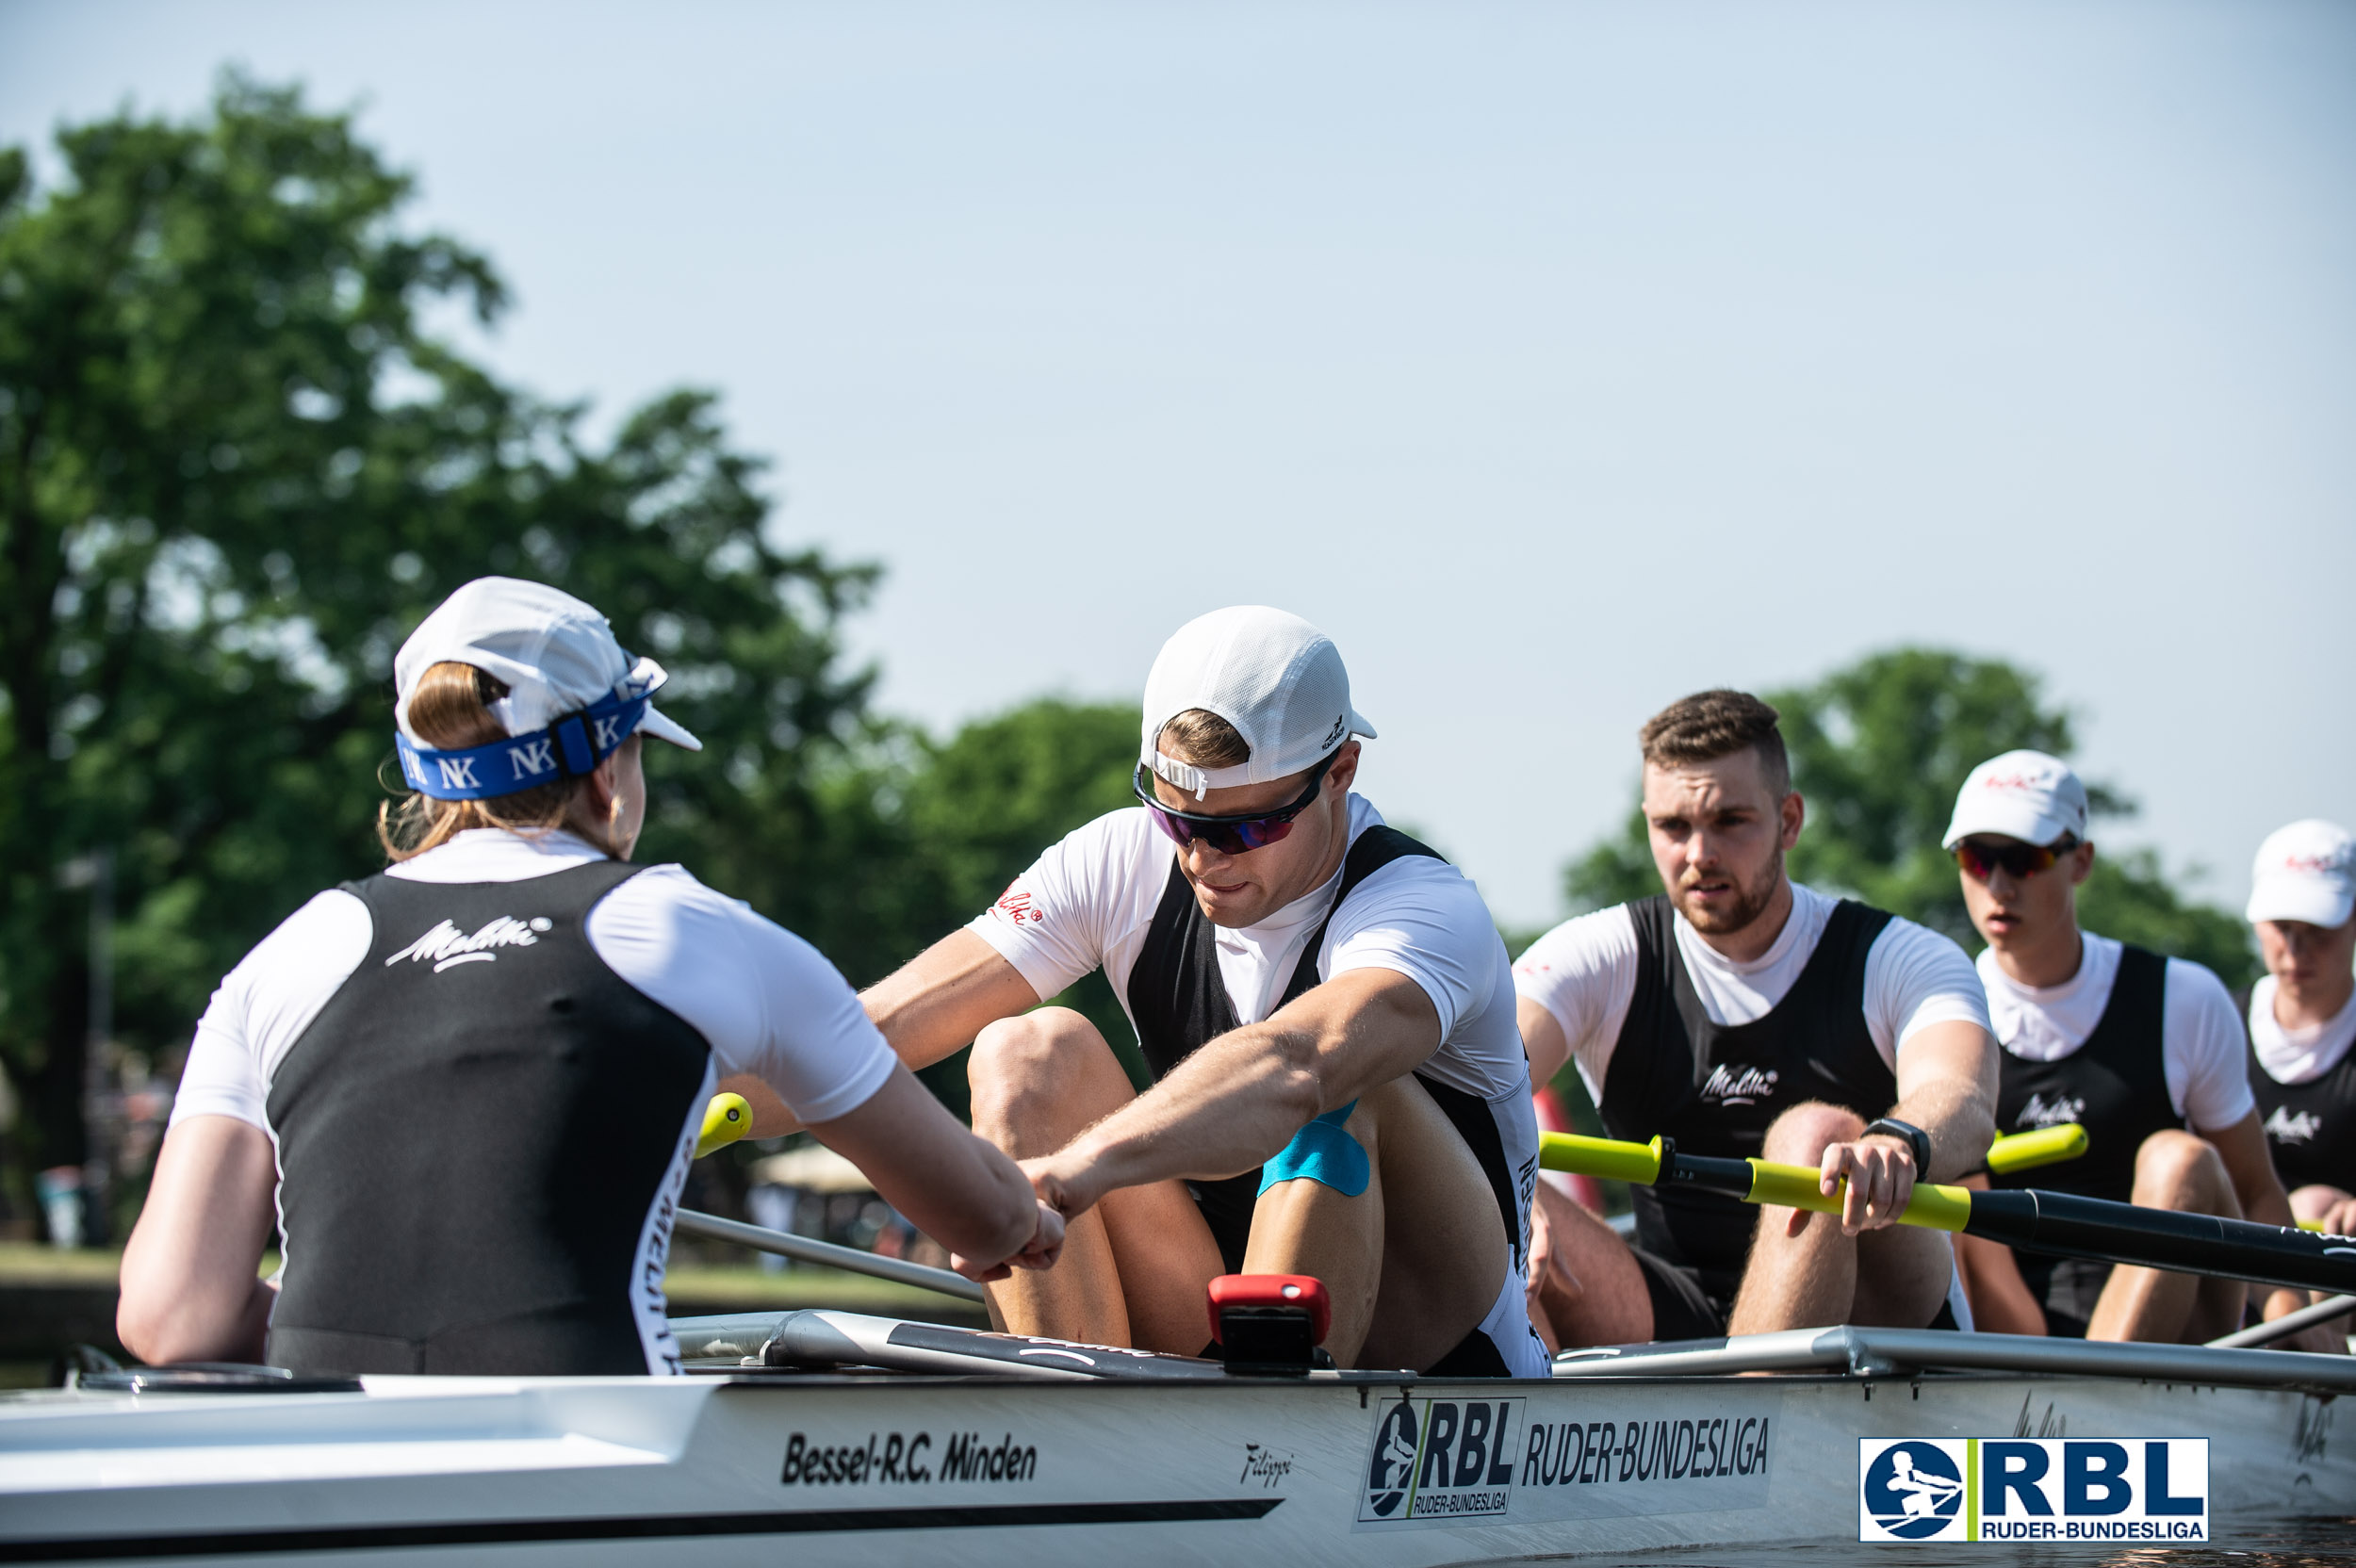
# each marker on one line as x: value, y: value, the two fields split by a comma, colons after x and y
x: 1594, y: 940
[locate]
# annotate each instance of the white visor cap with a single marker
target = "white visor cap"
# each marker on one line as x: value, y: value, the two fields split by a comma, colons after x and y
x: 2023, y: 795
x: 555, y: 654
x: 2305, y: 872
x: 1277, y: 679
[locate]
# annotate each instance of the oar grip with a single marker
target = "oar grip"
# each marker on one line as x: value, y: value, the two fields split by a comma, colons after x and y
x: 1614, y: 1161
x: 726, y: 1119
x: 1796, y: 1186
x: 2027, y: 1151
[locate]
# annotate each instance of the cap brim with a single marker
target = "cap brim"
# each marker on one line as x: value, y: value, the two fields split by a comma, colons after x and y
x: 2030, y: 827
x: 664, y: 727
x: 2307, y: 899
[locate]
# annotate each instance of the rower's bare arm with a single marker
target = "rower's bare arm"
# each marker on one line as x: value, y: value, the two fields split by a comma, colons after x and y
x: 1541, y: 1041
x: 950, y: 1184
x: 190, y: 1289
x: 1241, y: 1097
x: 930, y: 1007
x: 1946, y: 1086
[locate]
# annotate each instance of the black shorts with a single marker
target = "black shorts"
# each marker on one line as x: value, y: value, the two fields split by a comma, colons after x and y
x: 1682, y: 1309
x: 2066, y: 1289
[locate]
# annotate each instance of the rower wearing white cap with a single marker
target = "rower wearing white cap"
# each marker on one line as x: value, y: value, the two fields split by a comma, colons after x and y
x: 1325, y: 1007
x: 1740, y: 1013
x: 472, y: 1084
x: 2143, y: 1052
x: 2302, y: 1015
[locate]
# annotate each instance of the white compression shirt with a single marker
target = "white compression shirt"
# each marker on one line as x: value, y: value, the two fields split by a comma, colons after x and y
x: 764, y: 1000
x: 2201, y: 1040
x: 1584, y: 972
x: 1088, y: 902
x: 2298, y: 1056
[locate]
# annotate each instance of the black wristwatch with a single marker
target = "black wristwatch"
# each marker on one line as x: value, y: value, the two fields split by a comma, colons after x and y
x: 1914, y: 1138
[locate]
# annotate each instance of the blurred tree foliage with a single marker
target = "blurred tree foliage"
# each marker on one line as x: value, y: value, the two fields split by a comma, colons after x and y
x: 236, y: 468
x: 1879, y: 749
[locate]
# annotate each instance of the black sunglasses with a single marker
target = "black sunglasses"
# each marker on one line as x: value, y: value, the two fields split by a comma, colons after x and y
x: 1229, y: 835
x: 2019, y: 862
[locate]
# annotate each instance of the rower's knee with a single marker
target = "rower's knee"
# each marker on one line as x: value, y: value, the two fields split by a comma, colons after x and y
x: 2177, y: 1170
x: 1038, y: 1078
x: 1802, y: 1134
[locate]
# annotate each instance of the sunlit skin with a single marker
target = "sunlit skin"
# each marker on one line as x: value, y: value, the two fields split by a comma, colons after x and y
x: 1719, y: 833
x: 1719, y: 836
x: 1236, y: 890
x: 2314, y: 969
x: 2031, y: 922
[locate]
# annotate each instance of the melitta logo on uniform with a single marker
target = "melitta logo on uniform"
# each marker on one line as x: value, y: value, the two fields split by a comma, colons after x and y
x: 2033, y: 1489
x: 1738, y: 1085
x: 1438, y: 1459
x: 2285, y: 1127
x: 2041, y: 1112
x: 446, y: 946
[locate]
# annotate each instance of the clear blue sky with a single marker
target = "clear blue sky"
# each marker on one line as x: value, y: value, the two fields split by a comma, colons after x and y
x: 1558, y: 359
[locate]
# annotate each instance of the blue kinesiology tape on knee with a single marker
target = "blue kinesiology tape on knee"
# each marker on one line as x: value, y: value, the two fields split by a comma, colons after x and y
x: 1322, y: 1152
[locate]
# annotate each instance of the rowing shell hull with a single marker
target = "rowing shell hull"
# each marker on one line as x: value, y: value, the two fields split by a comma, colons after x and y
x: 814, y: 1469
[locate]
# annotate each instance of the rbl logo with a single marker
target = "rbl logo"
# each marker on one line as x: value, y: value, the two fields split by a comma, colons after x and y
x: 2033, y: 1489
x: 1441, y: 1458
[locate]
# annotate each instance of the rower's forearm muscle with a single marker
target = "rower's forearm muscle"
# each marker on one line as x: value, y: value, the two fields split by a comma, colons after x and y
x: 1243, y: 1096
x: 936, y: 1002
x: 1947, y: 1086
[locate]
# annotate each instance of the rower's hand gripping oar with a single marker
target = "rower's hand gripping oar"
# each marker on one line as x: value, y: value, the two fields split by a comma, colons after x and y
x: 2059, y: 1223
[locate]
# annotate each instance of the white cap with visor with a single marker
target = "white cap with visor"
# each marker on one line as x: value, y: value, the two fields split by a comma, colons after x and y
x: 1274, y: 676
x: 2305, y: 872
x: 2023, y: 795
x: 573, y: 694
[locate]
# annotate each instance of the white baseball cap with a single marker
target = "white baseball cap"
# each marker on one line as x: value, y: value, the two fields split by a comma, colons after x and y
x: 2023, y: 795
x: 555, y: 654
x: 2305, y: 872
x: 1277, y: 679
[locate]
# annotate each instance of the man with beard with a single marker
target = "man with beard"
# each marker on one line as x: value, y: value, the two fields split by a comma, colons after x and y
x: 1745, y: 1015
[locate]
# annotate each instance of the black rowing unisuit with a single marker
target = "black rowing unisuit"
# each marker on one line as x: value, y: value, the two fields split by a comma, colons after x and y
x: 2309, y: 1127
x: 1179, y: 1003
x: 1716, y: 1087
x: 477, y: 1140
x: 2115, y: 1085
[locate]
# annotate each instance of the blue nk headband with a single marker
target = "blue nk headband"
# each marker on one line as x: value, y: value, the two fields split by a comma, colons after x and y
x: 572, y: 746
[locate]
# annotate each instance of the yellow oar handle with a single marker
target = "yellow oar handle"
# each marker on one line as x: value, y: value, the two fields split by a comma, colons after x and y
x: 1608, y: 1158
x: 2027, y: 1151
x: 1796, y: 1186
x: 1940, y: 1208
x: 726, y: 1119
x: 2314, y: 1225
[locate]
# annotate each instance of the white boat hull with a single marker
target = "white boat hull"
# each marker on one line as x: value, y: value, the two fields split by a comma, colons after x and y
x: 812, y: 1468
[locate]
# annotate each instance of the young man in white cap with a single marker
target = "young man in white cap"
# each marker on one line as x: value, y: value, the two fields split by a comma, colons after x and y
x: 467, y: 1089
x: 2133, y: 1047
x: 2302, y: 1015
x: 1324, y: 1004
x: 1744, y: 1014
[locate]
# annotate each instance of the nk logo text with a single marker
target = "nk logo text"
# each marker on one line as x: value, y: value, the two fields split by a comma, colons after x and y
x: 2139, y: 1489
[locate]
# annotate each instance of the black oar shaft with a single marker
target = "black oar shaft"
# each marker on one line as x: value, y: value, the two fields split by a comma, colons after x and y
x: 2065, y: 1224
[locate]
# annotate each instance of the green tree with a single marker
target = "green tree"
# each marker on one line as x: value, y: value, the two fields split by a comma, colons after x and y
x: 235, y: 469
x: 1879, y: 749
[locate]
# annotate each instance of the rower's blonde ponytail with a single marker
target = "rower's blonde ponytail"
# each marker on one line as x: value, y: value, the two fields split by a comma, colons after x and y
x: 451, y: 710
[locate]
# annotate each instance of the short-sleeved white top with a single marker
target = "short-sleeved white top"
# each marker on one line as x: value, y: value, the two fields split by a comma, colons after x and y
x: 1584, y: 974
x: 2298, y: 1056
x: 765, y: 1001
x: 1088, y: 902
x: 2201, y: 1040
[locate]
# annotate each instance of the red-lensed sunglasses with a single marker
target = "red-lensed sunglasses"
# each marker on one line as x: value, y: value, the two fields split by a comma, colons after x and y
x: 2019, y: 862
x: 1229, y: 835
